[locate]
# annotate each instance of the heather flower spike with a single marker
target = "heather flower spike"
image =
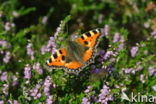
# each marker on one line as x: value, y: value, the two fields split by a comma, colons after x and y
x: 134, y: 51
x: 27, y: 72
x: 30, y: 51
x: 105, y: 95
x: 103, y: 52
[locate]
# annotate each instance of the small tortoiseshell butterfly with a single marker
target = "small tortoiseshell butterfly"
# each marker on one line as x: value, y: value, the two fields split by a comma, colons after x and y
x: 78, y: 54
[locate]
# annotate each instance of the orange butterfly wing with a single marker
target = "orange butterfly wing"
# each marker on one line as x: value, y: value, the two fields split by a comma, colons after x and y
x: 89, y: 39
x: 73, y: 65
x: 58, y: 59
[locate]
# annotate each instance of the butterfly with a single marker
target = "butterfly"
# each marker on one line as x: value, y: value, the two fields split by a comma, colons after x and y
x: 78, y: 54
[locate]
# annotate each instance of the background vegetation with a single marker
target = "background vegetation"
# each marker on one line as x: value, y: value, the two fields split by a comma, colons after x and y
x: 30, y: 30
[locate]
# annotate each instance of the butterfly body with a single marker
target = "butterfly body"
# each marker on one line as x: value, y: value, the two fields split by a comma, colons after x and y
x: 78, y: 53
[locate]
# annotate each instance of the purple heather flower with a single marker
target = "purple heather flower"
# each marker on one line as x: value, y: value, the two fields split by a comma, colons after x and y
x: 50, y: 47
x: 120, y: 39
x: 44, y: 20
x: 121, y: 46
x: 88, y: 89
x: 121, y: 86
x: 154, y: 34
x: 4, y: 76
x: 30, y: 51
x: 15, y: 80
x: 49, y: 100
x: 109, y: 68
x: 44, y: 49
x: 108, y: 55
x: 5, y: 89
x: 116, y: 37
x: 1, y: 52
x: 154, y: 88
x: 132, y: 70
x: 27, y: 72
x: 13, y: 102
x: 102, y: 52
x: 7, y: 57
x: 100, y: 18
x: 100, y: 59
x: 104, y: 69
x: 8, y: 26
x: 1, y: 14
x: 117, y: 86
x: 47, y: 85
x: 90, y: 97
x: 15, y: 14
x: 105, y: 95
x: 38, y: 95
x: 73, y: 37
x: 35, y: 91
x: 85, y: 100
x: 1, y: 102
x: 94, y: 70
x: 142, y: 78
x: 4, y: 43
x: 59, y: 29
x: 38, y: 68
x: 147, y: 24
x: 152, y: 71
x: 127, y: 70
x: 105, y: 30
x: 134, y: 51
x: 93, y: 66
x: 139, y: 67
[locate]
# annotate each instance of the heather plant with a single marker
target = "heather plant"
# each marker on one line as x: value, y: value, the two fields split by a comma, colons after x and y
x: 125, y: 64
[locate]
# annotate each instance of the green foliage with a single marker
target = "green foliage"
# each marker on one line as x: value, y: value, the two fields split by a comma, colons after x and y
x: 30, y: 31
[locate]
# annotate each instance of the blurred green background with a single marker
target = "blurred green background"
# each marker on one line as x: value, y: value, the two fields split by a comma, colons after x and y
x: 27, y: 39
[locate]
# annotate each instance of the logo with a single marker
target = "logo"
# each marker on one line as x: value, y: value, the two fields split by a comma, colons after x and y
x: 138, y: 97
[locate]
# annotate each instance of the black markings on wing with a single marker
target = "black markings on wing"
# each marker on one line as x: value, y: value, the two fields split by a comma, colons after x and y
x: 85, y: 42
x: 94, y: 31
x: 50, y: 60
x: 78, y: 51
x: 55, y: 56
x: 88, y: 34
x: 82, y: 37
x: 63, y: 58
x: 60, y: 51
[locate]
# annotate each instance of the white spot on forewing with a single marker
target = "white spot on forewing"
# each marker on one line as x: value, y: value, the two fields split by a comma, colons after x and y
x: 52, y: 58
x: 84, y: 35
x: 58, y: 53
x: 47, y: 61
x: 91, y: 33
x: 97, y: 30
